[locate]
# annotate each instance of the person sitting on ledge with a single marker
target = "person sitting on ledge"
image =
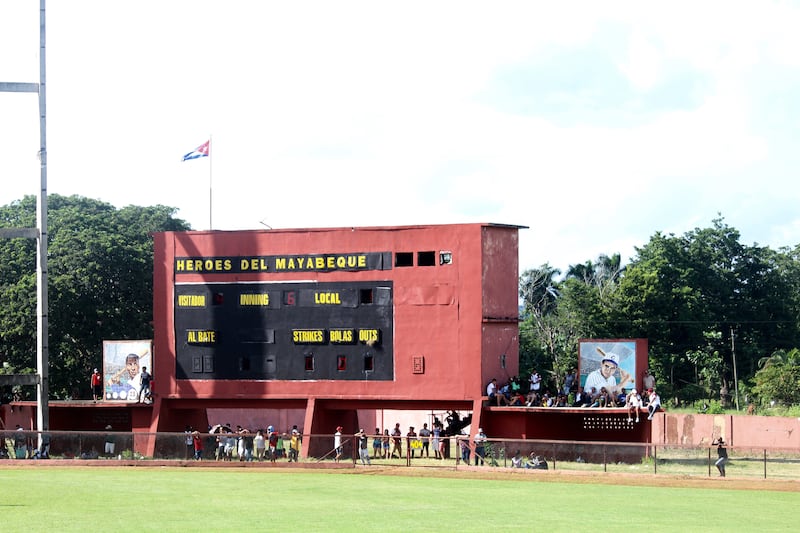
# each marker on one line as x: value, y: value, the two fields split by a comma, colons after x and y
x: 582, y: 398
x: 495, y: 396
x: 517, y: 399
x: 654, y: 404
x: 634, y: 403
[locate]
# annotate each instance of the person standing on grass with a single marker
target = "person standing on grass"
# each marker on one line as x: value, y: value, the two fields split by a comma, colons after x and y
x: 294, y: 445
x: 411, y: 438
x: 425, y: 435
x: 397, y: 441
x: 437, y: 433
x: 272, y: 443
x: 480, y: 446
x: 722, y: 456
x: 337, y: 443
x: 385, y: 442
x: 362, y: 440
x: 260, y: 444
x: 197, y: 442
x: 376, y: 443
x: 189, y: 441
x: 463, y: 444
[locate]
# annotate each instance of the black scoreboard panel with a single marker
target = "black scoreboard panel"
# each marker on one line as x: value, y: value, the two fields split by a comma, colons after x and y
x: 284, y: 331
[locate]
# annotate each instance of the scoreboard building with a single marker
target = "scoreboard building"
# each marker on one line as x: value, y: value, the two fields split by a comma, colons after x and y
x: 325, y: 327
x: 331, y: 321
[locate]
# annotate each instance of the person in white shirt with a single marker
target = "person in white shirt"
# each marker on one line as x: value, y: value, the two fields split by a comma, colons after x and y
x: 337, y: 443
x: 495, y: 396
x: 654, y: 404
x: 634, y: 403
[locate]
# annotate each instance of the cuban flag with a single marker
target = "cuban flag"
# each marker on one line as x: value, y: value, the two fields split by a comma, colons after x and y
x: 200, y: 151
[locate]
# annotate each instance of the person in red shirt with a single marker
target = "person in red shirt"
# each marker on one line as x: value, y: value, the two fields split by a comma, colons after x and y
x: 197, y: 442
x: 97, y: 385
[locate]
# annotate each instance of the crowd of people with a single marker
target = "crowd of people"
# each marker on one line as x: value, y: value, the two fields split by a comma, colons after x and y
x: 223, y: 443
x: 601, y: 390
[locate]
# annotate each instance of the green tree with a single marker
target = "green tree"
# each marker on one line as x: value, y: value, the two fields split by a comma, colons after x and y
x: 559, y: 313
x: 778, y: 379
x: 680, y: 289
x: 100, y: 283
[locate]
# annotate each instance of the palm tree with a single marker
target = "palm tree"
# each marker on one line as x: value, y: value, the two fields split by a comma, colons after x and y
x: 538, y: 289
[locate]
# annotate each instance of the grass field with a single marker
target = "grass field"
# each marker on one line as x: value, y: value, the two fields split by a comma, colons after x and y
x: 372, y: 499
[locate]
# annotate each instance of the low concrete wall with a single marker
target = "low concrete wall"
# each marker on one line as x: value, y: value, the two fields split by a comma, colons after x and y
x: 737, y: 430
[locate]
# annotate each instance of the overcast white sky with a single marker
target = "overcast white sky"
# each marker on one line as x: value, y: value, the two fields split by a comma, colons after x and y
x: 596, y: 124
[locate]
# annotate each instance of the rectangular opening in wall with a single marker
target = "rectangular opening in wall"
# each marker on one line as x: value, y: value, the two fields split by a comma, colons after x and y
x: 218, y: 298
x: 426, y: 259
x: 270, y: 365
x: 403, y: 259
x: 341, y: 363
x: 244, y: 364
x: 365, y: 296
x: 369, y: 363
x: 310, y: 363
x: 257, y: 336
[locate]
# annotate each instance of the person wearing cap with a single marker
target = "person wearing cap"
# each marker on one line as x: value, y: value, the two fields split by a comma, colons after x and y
x: 480, y: 446
x: 362, y: 440
x: 605, y: 376
x: 294, y: 445
x: 634, y: 403
x: 125, y: 384
x: 722, y: 456
x: 337, y: 443
x: 97, y: 385
x: 272, y: 444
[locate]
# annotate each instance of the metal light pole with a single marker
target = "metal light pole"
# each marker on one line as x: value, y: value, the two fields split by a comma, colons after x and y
x: 40, y: 233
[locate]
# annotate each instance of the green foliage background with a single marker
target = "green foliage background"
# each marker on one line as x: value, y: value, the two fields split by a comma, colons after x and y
x: 700, y: 299
x: 100, y: 285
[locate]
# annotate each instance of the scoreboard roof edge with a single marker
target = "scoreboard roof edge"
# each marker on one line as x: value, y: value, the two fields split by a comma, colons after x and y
x: 353, y: 228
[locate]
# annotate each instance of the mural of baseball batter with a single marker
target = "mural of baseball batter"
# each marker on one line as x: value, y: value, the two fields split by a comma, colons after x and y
x: 122, y: 368
x: 609, y: 364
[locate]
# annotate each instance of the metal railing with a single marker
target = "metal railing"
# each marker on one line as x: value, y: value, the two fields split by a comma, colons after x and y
x: 600, y: 457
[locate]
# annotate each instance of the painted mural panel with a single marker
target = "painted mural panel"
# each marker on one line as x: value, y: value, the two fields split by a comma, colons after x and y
x: 610, y: 364
x: 123, y: 362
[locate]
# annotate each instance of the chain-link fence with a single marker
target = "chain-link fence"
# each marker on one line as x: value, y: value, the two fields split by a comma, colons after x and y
x: 459, y: 452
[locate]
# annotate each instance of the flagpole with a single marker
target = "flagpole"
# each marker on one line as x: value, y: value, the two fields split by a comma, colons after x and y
x: 210, y: 158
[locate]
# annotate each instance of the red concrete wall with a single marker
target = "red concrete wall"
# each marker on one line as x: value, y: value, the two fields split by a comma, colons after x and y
x: 499, y: 286
x: 737, y: 430
x: 452, y: 315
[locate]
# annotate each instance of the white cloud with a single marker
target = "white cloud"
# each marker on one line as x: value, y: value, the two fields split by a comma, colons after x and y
x: 361, y: 113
